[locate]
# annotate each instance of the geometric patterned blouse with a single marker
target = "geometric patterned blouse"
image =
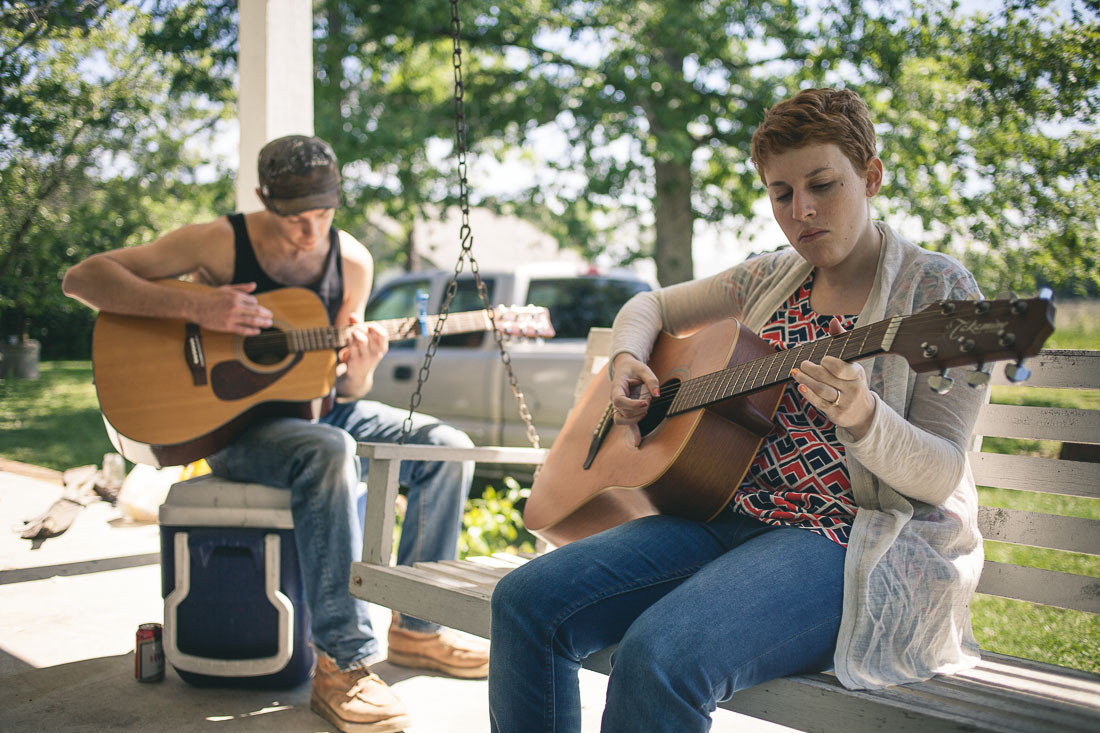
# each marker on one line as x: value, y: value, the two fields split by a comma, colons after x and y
x: 799, y: 478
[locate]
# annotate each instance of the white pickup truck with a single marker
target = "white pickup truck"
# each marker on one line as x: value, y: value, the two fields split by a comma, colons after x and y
x: 468, y: 386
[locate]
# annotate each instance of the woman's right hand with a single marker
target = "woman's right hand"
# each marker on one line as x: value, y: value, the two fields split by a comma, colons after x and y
x: 633, y: 387
x: 232, y: 308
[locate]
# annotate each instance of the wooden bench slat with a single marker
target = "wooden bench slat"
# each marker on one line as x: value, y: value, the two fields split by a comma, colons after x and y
x: 1039, y: 423
x: 425, y: 595
x: 1057, y: 369
x: 1071, y: 686
x: 498, y: 560
x: 1048, y: 587
x: 429, y: 573
x: 475, y: 570
x: 1032, y: 473
x: 1052, y: 531
x: 1012, y: 706
x: 460, y: 574
x: 816, y: 702
x: 514, y: 560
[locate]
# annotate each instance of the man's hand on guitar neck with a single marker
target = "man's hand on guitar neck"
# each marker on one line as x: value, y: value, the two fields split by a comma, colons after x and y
x: 366, y: 345
x: 231, y: 308
x: 633, y: 387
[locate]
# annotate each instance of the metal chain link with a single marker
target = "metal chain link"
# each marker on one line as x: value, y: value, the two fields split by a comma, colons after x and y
x: 466, y: 240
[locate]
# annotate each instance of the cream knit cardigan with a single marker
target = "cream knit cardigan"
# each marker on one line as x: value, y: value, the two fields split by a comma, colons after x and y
x: 915, y: 554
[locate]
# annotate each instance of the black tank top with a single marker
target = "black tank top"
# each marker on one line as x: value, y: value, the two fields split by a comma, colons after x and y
x: 246, y: 268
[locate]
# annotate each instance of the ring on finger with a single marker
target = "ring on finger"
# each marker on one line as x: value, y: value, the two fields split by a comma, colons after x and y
x: 836, y: 402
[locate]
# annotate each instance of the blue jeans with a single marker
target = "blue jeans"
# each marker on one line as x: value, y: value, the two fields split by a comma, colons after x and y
x: 699, y: 611
x: 317, y: 463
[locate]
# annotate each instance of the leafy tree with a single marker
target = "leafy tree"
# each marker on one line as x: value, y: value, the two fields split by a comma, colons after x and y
x: 383, y: 97
x: 986, y: 121
x: 656, y: 102
x: 989, y: 132
x: 98, y: 153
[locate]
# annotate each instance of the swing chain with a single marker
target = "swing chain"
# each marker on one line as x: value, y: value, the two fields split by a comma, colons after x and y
x: 466, y: 239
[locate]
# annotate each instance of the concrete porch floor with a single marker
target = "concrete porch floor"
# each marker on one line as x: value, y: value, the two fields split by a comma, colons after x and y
x: 69, y: 609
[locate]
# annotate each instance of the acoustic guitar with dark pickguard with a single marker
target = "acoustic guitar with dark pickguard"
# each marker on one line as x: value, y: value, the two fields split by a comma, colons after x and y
x: 720, y: 388
x: 172, y: 392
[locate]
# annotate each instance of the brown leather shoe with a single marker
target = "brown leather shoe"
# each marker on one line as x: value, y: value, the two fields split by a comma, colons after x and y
x: 356, y: 700
x: 446, y: 651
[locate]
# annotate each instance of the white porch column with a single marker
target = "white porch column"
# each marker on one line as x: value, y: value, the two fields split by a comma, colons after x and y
x: 276, y: 82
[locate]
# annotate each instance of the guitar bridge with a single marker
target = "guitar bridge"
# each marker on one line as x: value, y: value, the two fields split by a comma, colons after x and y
x: 194, y: 355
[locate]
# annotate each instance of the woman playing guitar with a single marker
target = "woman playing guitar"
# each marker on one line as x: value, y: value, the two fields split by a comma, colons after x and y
x: 849, y: 543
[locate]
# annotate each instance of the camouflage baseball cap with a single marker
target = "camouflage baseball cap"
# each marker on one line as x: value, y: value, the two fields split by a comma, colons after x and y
x: 299, y: 173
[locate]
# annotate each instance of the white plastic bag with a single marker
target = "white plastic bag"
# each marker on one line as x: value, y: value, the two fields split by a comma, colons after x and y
x: 144, y: 490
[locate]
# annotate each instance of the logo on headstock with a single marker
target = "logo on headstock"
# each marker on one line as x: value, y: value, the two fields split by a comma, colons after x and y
x: 963, y: 327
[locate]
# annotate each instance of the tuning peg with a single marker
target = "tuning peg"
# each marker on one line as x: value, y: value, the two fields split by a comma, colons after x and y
x: 941, y: 383
x: 979, y: 377
x: 1017, y: 372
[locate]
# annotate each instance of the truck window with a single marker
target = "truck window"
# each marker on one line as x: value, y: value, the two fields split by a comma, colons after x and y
x: 467, y: 299
x: 397, y: 300
x: 578, y: 304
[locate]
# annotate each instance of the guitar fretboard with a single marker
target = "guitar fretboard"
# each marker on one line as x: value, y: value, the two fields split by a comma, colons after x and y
x: 859, y: 343
x: 334, y: 337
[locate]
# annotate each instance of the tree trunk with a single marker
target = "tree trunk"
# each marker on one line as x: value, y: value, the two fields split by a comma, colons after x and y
x: 412, y: 252
x: 674, y: 219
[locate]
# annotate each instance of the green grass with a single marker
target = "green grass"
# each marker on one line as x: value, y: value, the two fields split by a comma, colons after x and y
x: 1054, y: 635
x: 1077, y: 325
x: 53, y: 421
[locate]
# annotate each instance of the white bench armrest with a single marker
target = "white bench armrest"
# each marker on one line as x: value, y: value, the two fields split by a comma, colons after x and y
x: 382, y: 483
x: 488, y: 454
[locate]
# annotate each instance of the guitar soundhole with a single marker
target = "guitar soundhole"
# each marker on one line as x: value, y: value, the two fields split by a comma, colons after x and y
x: 267, y: 348
x: 658, y: 409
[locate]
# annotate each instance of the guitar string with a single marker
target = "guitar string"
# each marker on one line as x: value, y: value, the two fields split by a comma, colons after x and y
x: 327, y: 336
x: 689, y: 390
x: 714, y: 386
x: 331, y: 336
x: 701, y: 389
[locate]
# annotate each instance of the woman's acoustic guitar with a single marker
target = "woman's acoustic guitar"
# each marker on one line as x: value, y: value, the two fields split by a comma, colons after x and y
x: 720, y: 388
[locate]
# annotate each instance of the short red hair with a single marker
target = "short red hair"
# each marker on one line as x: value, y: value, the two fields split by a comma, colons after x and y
x: 816, y: 116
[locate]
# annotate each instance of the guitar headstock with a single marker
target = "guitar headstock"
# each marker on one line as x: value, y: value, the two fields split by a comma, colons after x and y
x: 963, y: 332
x: 526, y: 321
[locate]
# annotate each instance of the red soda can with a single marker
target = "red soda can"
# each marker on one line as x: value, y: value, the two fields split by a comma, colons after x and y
x: 149, y: 654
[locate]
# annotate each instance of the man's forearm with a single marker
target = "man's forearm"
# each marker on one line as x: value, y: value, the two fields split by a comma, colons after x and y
x: 103, y: 284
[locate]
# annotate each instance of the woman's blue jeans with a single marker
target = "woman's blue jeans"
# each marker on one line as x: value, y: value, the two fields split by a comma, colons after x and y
x: 316, y: 461
x: 699, y: 611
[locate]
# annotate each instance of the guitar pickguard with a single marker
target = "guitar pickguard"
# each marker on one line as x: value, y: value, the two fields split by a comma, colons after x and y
x: 232, y: 380
x: 658, y: 409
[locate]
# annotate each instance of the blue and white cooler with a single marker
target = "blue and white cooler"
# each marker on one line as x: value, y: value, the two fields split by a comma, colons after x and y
x: 234, y: 610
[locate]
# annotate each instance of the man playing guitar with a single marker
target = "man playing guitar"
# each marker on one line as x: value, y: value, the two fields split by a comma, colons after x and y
x: 292, y: 242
